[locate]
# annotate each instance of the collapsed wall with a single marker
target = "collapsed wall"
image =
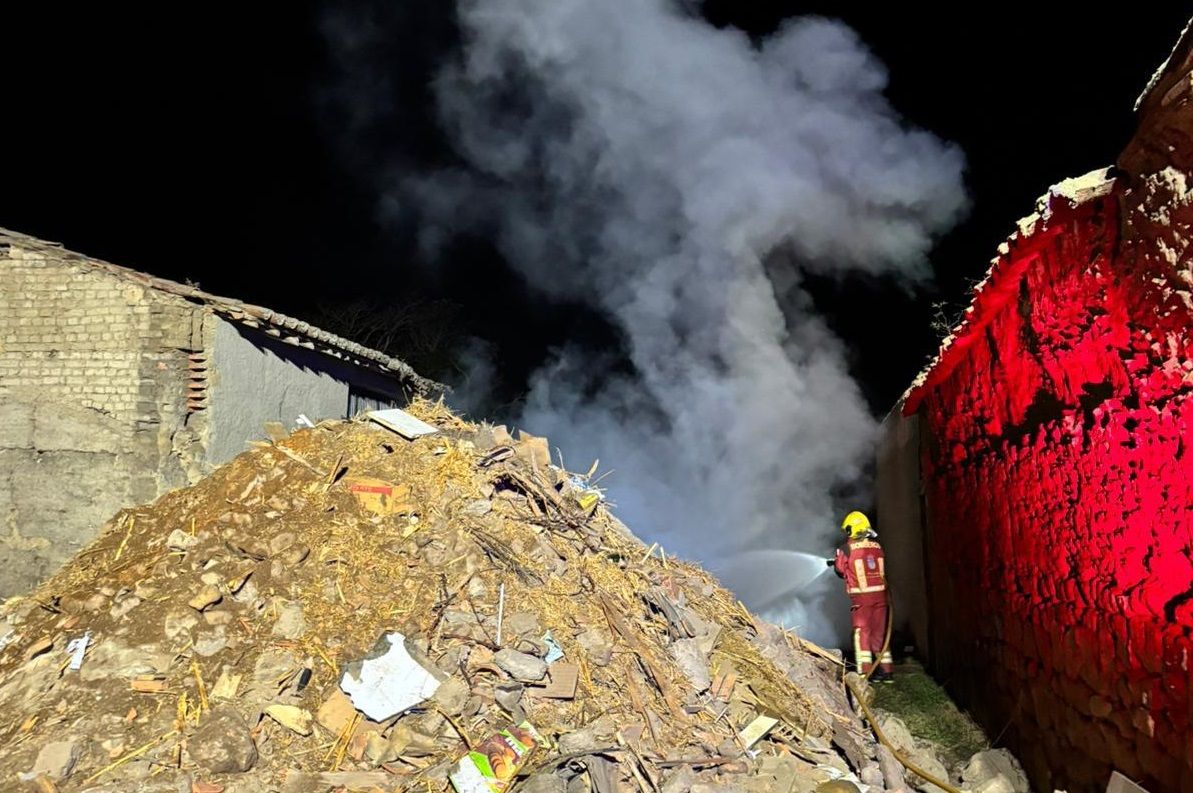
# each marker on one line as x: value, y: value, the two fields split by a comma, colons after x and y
x: 211, y: 639
x: 1058, y: 477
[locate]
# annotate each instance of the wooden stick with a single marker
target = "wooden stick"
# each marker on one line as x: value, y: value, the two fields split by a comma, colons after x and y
x: 119, y: 551
x: 619, y: 626
x: 134, y: 753
x: 203, y: 704
x: 455, y: 726
x: 296, y: 458
x: 500, y: 611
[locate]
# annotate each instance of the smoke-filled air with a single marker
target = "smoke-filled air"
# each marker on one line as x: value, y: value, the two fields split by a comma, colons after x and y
x: 681, y: 179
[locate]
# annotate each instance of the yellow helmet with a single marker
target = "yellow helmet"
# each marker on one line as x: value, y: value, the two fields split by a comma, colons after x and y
x: 855, y: 524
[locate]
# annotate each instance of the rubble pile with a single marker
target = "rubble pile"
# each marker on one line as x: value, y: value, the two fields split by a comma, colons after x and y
x: 346, y: 608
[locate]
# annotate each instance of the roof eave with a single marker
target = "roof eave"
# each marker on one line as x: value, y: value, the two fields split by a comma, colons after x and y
x: 245, y: 314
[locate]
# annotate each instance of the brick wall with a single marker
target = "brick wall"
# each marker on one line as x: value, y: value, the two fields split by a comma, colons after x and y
x: 69, y: 335
x: 93, y: 376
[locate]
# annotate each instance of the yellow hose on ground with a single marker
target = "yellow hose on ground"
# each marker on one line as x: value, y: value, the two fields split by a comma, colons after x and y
x: 857, y: 695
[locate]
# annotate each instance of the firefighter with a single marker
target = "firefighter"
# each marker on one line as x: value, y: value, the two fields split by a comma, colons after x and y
x: 862, y: 566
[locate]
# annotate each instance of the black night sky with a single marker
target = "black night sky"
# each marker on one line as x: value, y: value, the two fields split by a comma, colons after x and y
x: 202, y: 145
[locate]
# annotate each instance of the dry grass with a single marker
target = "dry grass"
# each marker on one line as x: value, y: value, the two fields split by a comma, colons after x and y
x: 930, y: 714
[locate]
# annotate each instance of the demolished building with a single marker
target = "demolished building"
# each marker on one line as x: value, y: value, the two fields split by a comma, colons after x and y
x: 1036, y: 481
x: 349, y: 609
x: 116, y: 386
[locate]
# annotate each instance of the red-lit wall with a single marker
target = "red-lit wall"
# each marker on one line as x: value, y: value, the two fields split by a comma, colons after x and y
x: 1059, y: 492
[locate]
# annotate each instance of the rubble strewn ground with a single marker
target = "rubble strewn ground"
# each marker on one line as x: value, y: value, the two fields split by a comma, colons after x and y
x: 218, y: 626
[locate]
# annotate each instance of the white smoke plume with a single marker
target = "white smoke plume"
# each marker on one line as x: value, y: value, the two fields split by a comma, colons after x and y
x: 681, y: 178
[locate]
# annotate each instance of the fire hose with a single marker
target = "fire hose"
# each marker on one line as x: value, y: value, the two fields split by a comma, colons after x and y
x: 861, y: 701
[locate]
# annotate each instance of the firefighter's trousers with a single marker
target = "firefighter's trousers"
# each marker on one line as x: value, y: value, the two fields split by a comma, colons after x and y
x: 868, y: 613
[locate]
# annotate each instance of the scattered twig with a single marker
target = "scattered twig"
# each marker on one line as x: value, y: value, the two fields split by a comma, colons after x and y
x: 203, y: 689
x: 500, y: 611
x: 298, y: 459
x: 123, y: 543
x: 129, y: 756
x: 456, y: 726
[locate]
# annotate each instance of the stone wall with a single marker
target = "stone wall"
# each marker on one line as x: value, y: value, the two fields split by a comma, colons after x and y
x: 1157, y: 172
x: 1058, y: 474
x: 1059, y: 487
x: 93, y: 375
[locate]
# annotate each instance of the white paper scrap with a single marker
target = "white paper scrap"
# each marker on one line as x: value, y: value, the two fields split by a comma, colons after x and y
x: 402, y: 423
x: 389, y: 685
x: 77, y: 649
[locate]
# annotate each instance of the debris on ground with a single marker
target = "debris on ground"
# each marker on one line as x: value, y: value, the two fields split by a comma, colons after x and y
x: 994, y: 771
x: 350, y: 607
x: 55, y: 761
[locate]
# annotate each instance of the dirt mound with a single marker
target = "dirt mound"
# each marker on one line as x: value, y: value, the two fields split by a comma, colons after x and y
x: 345, y: 608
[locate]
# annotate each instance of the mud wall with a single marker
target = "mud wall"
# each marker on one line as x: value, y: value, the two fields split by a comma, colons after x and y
x: 900, y: 526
